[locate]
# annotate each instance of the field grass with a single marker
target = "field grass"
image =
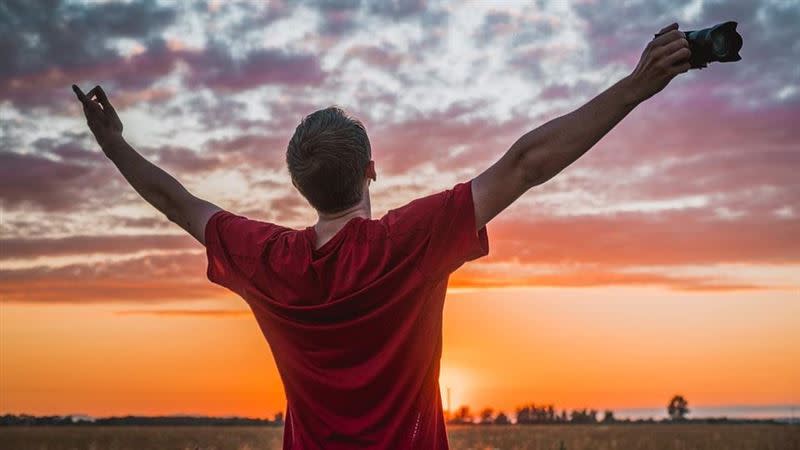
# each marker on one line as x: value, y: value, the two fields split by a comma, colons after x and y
x: 555, y: 437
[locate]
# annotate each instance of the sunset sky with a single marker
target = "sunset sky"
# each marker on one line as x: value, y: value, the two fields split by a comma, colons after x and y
x: 665, y: 261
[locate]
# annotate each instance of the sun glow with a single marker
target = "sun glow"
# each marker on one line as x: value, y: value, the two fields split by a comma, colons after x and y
x: 455, y: 384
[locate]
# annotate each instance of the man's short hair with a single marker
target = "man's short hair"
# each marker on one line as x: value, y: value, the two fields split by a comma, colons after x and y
x: 328, y: 157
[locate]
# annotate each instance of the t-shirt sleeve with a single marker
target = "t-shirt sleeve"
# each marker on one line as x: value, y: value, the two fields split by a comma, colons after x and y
x: 441, y: 230
x: 234, y: 248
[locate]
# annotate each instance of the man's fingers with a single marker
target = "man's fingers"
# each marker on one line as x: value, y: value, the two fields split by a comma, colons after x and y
x: 672, y: 26
x: 680, y: 55
x: 101, y: 95
x: 90, y: 108
x: 674, y: 46
x: 93, y: 111
x: 683, y: 68
x: 92, y: 93
x: 79, y: 93
x: 98, y: 91
x: 94, y: 96
x: 672, y: 35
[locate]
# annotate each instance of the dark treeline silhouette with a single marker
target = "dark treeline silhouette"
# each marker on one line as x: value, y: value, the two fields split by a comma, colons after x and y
x: 533, y: 414
x: 24, y: 419
x: 530, y: 414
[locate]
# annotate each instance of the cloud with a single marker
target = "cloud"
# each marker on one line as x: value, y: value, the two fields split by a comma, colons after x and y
x: 266, y: 150
x: 62, y: 174
x: 599, y: 278
x: 618, y: 36
x: 670, y: 149
x: 702, y: 174
x: 164, y: 278
x: 337, y: 17
x: 211, y: 113
x: 141, y: 222
x: 450, y: 139
x: 58, y: 174
x: 183, y: 160
x: 288, y: 207
x: 340, y: 17
x: 27, y: 179
x: 46, y: 49
x: 214, y: 67
x: 396, y: 8
x: 495, y: 23
x: 672, y: 237
x: 71, y: 36
x: 25, y: 248
x: 578, y: 252
x: 151, y: 278
x: 385, y: 57
x: 128, y: 78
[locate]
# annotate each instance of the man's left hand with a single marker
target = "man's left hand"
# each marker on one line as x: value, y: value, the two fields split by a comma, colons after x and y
x: 100, y: 115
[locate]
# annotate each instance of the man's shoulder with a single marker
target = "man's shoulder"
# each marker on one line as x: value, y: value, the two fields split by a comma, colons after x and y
x: 418, y: 212
x: 234, y: 227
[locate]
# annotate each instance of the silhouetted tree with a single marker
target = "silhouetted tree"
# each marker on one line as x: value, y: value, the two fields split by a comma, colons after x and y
x: 524, y: 415
x: 501, y: 419
x: 278, y: 418
x: 462, y: 416
x: 583, y: 416
x: 608, y: 416
x: 678, y: 408
x: 532, y: 414
x: 487, y: 416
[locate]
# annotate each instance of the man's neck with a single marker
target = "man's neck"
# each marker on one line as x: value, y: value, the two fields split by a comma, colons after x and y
x: 329, y: 224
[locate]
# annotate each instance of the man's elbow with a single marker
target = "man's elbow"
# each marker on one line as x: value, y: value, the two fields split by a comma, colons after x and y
x: 167, y: 207
x: 532, y: 168
x: 173, y: 215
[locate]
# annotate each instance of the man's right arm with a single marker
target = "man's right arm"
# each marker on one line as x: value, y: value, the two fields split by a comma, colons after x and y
x: 542, y: 153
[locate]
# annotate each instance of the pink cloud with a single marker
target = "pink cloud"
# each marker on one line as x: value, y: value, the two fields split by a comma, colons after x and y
x: 399, y: 147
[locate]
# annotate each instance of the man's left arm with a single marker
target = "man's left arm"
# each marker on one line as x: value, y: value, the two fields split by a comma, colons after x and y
x: 155, y: 185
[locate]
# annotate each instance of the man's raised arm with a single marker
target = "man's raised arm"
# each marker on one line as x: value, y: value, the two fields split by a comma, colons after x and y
x: 541, y: 154
x: 156, y: 186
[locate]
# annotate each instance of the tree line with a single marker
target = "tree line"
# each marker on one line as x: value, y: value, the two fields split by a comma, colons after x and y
x: 29, y: 420
x: 533, y: 414
x: 530, y: 414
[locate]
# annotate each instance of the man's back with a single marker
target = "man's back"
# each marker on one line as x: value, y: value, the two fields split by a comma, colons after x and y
x: 356, y: 325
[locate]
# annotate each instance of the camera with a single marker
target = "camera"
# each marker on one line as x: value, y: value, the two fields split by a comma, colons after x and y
x: 720, y: 43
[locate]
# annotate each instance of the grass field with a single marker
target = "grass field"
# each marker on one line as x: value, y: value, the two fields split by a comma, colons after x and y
x: 555, y: 437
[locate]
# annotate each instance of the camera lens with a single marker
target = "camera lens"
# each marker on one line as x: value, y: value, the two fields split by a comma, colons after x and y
x: 719, y: 44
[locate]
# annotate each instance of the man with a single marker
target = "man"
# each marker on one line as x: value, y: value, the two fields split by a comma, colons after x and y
x: 352, y: 306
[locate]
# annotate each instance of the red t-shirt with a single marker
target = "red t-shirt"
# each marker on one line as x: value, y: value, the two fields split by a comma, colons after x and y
x: 355, y: 327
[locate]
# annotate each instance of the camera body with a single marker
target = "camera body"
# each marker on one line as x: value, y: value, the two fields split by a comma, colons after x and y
x: 720, y: 43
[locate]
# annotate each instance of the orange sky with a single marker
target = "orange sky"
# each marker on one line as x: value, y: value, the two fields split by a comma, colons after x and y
x: 595, y: 347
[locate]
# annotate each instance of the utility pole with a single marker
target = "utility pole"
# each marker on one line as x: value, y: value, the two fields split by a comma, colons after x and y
x: 449, y: 411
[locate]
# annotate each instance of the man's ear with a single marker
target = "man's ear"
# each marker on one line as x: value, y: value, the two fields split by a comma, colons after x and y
x: 370, y: 172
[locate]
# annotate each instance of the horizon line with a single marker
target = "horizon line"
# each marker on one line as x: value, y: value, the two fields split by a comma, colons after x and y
x: 789, y: 407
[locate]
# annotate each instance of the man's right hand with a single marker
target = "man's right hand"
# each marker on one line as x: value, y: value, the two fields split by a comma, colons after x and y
x: 664, y: 58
